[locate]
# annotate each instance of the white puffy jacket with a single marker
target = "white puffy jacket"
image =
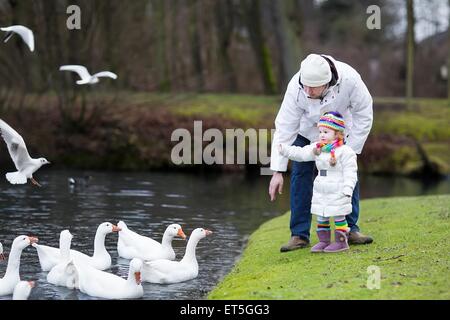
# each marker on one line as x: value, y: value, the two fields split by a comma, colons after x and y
x: 333, y: 186
x: 299, y: 114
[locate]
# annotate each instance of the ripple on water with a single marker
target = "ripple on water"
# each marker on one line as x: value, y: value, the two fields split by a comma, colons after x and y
x: 145, y: 183
x: 48, y: 201
x: 132, y: 193
x: 173, y: 206
x: 174, y: 195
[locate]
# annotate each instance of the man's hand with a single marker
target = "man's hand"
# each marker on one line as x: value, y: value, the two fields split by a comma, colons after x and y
x: 276, y: 184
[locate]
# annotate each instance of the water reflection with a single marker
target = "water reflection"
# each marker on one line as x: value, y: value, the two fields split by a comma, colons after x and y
x: 230, y: 205
x: 379, y: 186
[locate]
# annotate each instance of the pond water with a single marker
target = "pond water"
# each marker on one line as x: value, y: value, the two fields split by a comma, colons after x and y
x: 230, y: 205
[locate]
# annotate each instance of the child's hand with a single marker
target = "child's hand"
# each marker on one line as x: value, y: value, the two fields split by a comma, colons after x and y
x: 317, y: 151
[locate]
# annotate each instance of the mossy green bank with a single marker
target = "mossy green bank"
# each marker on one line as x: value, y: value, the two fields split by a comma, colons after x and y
x: 410, y: 249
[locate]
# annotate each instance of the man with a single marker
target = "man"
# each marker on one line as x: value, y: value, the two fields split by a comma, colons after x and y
x: 322, y: 85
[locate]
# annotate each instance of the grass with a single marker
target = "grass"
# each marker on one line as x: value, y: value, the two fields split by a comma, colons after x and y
x: 248, y: 109
x: 410, y: 248
x: 423, y: 122
x: 251, y: 110
x: 416, y: 101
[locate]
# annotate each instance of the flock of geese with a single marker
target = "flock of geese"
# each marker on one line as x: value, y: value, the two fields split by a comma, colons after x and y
x: 150, y: 260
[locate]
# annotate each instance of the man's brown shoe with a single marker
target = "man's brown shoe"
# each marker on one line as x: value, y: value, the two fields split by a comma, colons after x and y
x: 294, y: 243
x: 356, y: 237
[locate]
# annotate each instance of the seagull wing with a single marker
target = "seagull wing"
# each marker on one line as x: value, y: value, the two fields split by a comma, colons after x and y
x: 107, y: 74
x: 81, y: 70
x: 16, y: 146
x: 25, y: 33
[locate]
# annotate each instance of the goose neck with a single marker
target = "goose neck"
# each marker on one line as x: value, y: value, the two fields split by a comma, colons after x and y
x: 190, y: 250
x: 166, y: 240
x: 64, y: 249
x: 13, y: 266
x: 99, y: 244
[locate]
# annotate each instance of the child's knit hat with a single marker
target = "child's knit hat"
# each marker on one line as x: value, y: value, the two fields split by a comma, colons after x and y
x: 332, y: 120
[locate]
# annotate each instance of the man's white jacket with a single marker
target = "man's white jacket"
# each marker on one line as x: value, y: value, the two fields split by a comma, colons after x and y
x: 299, y: 115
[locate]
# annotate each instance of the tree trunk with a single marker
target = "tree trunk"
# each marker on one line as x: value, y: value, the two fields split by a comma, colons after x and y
x: 225, y: 21
x: 280, y: 33
x: 410, y: 43
x: 252, y: 12
x: 448, y: 56
x: 173, y: 53
x: 195, y: 6
x: 159, y: 26
x: 296, y: 12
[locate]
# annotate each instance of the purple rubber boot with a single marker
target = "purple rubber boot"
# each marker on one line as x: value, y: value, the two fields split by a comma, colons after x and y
x: 324, y: 238
x: 340, y: 244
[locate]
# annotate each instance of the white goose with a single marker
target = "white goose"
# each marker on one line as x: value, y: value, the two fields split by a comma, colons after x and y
x: 96, y: 283
x: 25, y: 33
x: 166, y: 271
x: 2, y: 256
x: 50, y: 256
x: 57, y: 274
x: 132, y: 245
x: 22, y: 290
x: 12, y: 276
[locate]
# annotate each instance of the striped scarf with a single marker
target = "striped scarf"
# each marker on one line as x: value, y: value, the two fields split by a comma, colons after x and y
x: 331, y: 148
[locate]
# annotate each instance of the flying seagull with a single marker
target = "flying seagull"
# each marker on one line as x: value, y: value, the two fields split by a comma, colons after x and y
x: 24, y: 32
x: 25, y: 165
x: 86, y: 78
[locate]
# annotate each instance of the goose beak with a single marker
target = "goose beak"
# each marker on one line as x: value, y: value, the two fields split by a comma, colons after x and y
x: 137, y: 276
x: 116, y: 228
x: 181, y: 234
x: 31, y: 284
x: 33, y: 240
x: 208, y: 232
